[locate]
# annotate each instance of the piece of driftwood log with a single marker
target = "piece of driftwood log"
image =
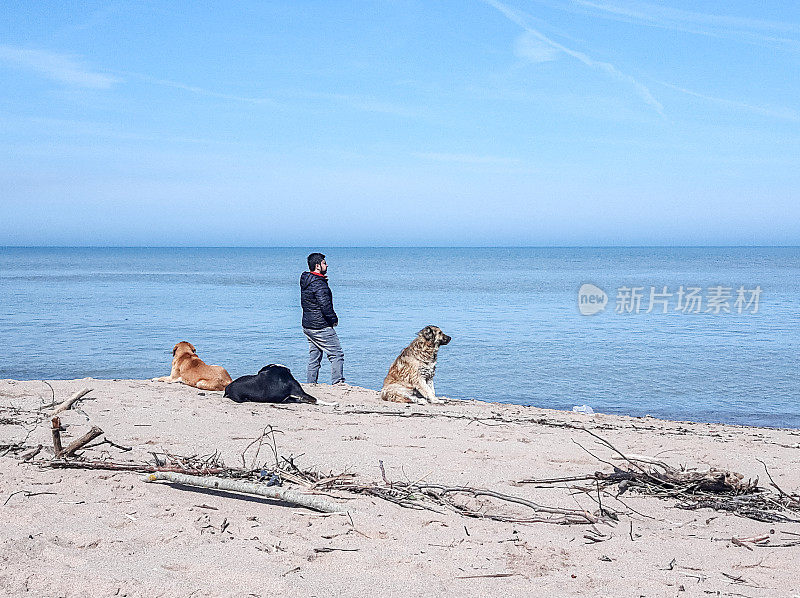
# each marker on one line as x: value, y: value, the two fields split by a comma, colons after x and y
x: 70, y: 401
x: 276, y: 493
x: 131, y: 467
x: 56, y: 430
x: 76, y: 445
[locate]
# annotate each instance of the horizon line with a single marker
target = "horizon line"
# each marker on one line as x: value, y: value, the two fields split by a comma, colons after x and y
x: 660, y: 246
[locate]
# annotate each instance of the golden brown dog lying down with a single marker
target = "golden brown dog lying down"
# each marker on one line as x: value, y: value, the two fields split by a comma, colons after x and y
x: 188, y: 368
x: 410, y: 379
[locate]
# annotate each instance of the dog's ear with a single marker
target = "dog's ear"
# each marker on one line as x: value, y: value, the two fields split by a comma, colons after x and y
x: 191, y: 346
x: 427, y: 333
x: 175, y: 348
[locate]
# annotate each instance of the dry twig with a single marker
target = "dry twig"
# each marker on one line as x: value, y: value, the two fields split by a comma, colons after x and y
x: 717, y: 489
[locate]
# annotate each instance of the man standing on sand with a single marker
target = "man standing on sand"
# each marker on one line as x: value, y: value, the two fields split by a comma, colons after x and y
x: 319, y: 320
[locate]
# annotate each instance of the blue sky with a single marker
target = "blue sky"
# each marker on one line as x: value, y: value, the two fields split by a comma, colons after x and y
x: 525, y: 122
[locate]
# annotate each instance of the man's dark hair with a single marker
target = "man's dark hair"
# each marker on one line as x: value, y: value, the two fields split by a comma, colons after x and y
x: 314, y: 260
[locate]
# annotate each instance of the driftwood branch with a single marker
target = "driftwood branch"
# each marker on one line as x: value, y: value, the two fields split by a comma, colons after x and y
x: 268, y: 433
x: 70, y: 401
x: 130, y: 467
x: 56, y: 431
x: 632, y: 462
x: 124, y: 449
x: 26, y: 493
x: 539, y: 421
x: 793, y: 499
x: 52, y: 395
x: 291, y: 496
x: 78, y: 444
x: 715, y: 488
x: 483, y: 503
x: 566, y: 515
x: 464, y: 500
x: 548, y: 481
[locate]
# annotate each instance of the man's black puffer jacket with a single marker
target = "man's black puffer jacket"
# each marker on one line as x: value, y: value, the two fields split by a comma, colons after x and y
x: 317, y: 301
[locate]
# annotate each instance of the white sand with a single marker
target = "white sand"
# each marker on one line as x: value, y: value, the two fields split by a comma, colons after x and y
x: 102, y: 533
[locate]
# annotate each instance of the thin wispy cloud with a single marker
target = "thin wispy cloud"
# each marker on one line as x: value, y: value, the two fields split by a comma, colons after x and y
x: 63, y: 68
x: 380, y: 107
x: 781, y: 113
x: 531, y: 48
x: 360, y: 103
x: 194, y: 89
x: 465, y: 158
x: 666, y: 14
x: 69, y: 131
x: 665, y: 17
x: 521, y: 19
x: 357, y: 102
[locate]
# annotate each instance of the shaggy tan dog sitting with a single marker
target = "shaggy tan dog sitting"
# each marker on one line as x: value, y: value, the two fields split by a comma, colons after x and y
x: 188, y: 368
x: 410, y: 379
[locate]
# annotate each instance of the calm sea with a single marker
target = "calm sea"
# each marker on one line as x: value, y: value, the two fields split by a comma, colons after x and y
x: 518, y: 333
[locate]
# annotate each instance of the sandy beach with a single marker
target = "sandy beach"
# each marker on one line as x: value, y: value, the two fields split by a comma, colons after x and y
x: 79, y: 532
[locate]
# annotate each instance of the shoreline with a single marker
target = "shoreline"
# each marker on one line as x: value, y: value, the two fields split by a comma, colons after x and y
x: 452, y: 401
x: 72, y: 531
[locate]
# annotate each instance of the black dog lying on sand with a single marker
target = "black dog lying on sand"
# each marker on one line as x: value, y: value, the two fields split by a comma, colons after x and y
x: 273, y: 384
